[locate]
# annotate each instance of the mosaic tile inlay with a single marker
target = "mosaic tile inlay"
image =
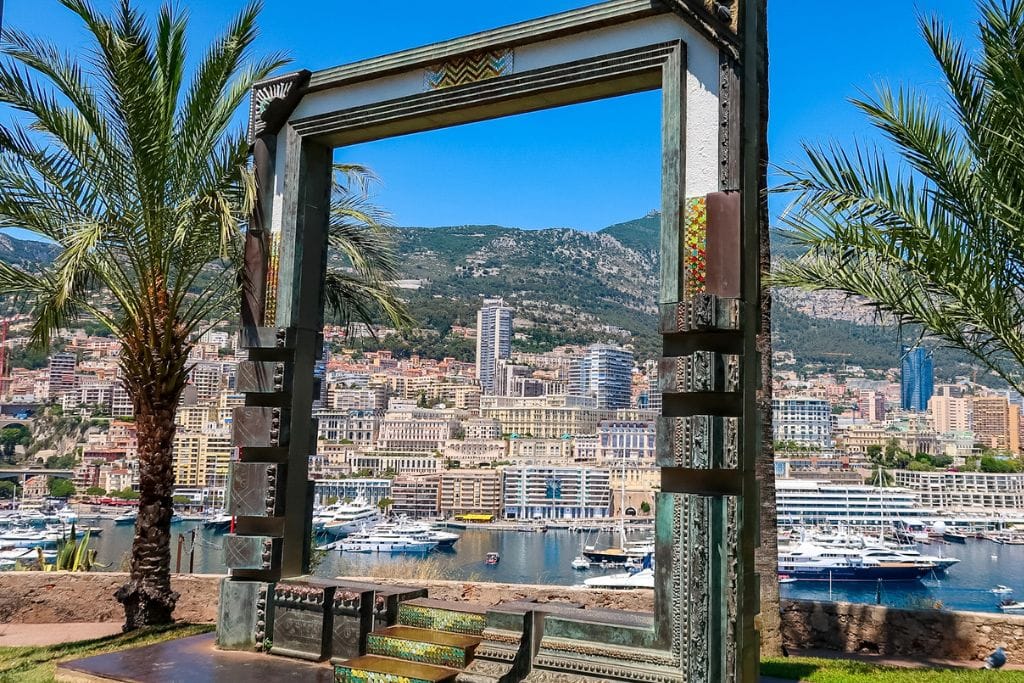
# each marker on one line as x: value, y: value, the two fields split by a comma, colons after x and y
x: 273, y: 273
x: 695, y: 242
x: 441, y: 619
x: 343, y: 674
x: 469, y: 69
x: 415, y: 651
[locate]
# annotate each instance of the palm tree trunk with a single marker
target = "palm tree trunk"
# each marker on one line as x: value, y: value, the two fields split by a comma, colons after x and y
x: 147, y: 596
x: 766, y: 558
x: 153, y: 363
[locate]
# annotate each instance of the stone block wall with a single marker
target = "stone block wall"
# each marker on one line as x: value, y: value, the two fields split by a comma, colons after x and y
x: 60, y: 597
x: 935, y: 634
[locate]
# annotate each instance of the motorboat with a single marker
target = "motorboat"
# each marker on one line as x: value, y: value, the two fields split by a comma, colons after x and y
x: 580, y: 562
x: 641, y: 579
x: 387, y: 542
x: 1001, y: 590
x: 954, y: 537
x: 218, y: 522
x: 125, y: 519
x: 492, y: 558
x: 444, y: 539
x: 342, y: 519
x: 810, y: 562
x: 1011, y: 606
x: 786, y: 578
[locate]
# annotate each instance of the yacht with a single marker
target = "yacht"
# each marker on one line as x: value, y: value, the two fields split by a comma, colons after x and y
x: 342, y: 519
x: 444, y: 539
x: 387, y: 542
x: 807, y: 502
x: 641, y: 579
x: 809, y: 562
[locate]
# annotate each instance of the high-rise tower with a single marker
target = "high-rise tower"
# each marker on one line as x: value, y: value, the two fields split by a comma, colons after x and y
x: 493, y: 341
x: 917, y: 378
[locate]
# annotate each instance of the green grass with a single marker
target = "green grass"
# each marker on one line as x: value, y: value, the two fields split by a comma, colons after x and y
x: 37, y: 664
x: 850, y: 671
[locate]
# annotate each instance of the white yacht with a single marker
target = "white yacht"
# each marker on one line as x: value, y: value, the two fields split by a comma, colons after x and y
x: 810, y: 562
x: 641, y: 579
x: 806, y: 502
x: 444, y: 539
x: 342, y: 519
x: 387, y: 542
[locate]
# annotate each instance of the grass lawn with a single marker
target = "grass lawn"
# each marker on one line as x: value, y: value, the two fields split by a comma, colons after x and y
x: 847, y: 671
x: 37, y: 664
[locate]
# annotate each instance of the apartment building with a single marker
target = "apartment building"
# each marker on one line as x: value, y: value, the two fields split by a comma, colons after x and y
x: 556, y: 492
x: 996, y: 423
x: 964, y: 491
x: 470, y: 492
x: 548, y: 417
x: 416, y: 496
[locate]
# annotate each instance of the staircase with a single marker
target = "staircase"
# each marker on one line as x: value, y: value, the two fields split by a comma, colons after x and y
x: 433, y: 642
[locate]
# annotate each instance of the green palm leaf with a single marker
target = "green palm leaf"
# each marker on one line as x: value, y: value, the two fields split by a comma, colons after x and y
x: 934, y: 237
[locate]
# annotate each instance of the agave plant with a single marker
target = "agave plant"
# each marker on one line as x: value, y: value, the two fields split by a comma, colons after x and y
x: 73, y: 555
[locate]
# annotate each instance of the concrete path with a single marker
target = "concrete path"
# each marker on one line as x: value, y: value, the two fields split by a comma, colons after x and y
x: 19, y: 635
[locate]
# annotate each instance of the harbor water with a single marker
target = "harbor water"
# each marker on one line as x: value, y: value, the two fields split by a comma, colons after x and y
x: 544, y: 558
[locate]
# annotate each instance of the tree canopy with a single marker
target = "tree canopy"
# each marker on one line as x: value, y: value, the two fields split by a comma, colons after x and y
x: 934, y: 236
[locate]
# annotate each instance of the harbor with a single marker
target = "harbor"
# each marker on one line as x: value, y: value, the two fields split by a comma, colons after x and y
x: 547, y: 557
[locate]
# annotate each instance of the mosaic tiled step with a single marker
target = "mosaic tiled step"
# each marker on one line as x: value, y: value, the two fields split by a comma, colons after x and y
x: 440, y: 615
x: 375, y: 669
x: 420, y: 645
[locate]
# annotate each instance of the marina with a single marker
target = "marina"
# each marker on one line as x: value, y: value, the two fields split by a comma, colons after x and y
x: 980, y: 573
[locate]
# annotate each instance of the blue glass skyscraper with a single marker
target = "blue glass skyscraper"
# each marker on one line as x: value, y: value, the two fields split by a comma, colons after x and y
x: 917, y: 378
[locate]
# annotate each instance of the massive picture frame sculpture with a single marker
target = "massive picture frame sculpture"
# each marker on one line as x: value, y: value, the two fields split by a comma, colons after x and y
x: 699, y: 53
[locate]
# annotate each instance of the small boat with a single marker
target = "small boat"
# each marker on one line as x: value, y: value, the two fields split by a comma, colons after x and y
x: 580, y: 562
x: 786, y: 578
x: 492, y: 558
x: 954, y: 537
x: 1001, y: 590
x: 125, y: 519
x: 1011, y: 606
x: 218, y: 522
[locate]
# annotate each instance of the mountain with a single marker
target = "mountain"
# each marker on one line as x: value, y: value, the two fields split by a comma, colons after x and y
x: 25, y: 253
x: 570, y: 286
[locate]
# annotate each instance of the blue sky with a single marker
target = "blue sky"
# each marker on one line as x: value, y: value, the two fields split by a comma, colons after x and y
x: 585, y: 166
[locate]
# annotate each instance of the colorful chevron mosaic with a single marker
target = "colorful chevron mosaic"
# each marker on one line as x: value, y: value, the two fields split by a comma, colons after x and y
x: 273, y: 271
x: 472, y: 68
x: 441, y: 619
x: 416, y: 651
x: 695, y: 242
x: 343, y: 674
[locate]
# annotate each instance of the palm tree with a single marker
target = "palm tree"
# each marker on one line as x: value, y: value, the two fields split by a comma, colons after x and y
x: 142, y: 181
x: 936, y: 238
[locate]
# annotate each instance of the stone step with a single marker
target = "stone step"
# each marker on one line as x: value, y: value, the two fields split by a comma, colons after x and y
x: 413, y: 644
x: 376, y: 669
x: 441, y: 615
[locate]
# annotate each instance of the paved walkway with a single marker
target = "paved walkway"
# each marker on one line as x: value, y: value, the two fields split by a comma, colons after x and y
x: 18, y: 635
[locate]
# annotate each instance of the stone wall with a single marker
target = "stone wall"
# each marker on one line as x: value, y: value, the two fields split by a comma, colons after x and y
x: 936, y: 634
x: 56, y: 597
